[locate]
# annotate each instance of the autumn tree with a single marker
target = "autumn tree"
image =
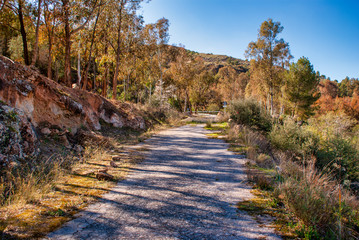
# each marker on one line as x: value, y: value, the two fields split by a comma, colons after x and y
x: 269, y: 56
x: 75, y: 14
x: 200, y: 89
x: 182, y: 73
x: 301, y: 88
x: 21, y: 10
x: 231, y: 84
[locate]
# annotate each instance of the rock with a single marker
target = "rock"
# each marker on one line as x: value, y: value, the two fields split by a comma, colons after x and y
x: 104, y: 170
x: 116, y: 158
x: 78, y: 149
x: 18, y: 140
x: 46, y: 131
x: 44, y: 100
x: 64, y: 141
x: 104, y: 176
x: 55, y: 131
x: 113, y: 164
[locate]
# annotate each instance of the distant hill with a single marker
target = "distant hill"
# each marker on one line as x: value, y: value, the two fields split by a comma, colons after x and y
x: 219, y: 61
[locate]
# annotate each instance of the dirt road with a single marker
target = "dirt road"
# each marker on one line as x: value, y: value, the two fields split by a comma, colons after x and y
x: 187, y: 188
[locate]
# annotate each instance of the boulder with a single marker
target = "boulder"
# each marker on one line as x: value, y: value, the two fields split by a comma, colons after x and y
x: 116, y: 158
x: 18, y: 139
x: 104, y: 176
x: 46, y: 131
x: 113, y: 164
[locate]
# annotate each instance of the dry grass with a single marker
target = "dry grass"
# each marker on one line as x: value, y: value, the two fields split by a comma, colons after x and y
x: 323, y: 207
x: 40, y: 205
x: 265, y: 205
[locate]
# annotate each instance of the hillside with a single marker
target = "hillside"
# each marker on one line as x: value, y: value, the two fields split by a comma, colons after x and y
x: 218, y: 61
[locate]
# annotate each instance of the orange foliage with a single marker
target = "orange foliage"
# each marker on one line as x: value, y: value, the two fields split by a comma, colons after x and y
x: 350, y: 106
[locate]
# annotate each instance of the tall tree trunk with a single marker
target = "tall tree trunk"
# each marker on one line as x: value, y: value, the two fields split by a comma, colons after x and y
x: 118, y: 52
x: 49, y: 60
x: 105, y: 81
x: 36, y: 46
x: 23, y: 33
x: 85, y: 75
x: 67, y: 76
x: 56, y: 72
x: 79, y: 66
x: 94, y: 65
x: 161, y: 73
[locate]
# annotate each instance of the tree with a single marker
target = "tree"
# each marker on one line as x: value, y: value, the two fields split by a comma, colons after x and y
x: 301, y: 88
x: 162, y: 26
x: 36, y: 46
x: 74, y: 16
x: 270, y: 55
x: 182, y: 72
x: 18, y: 7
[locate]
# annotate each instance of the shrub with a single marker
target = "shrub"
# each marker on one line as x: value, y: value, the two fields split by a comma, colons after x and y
x: 314, y: 199
x: 339, y: 157
x: 294, y: 138
x: 331, y: 124
x: 213, y: 107
x: 249, y: 113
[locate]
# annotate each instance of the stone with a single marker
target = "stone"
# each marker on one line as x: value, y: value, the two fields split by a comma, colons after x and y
x: 104, y: 176
x: 116, y: 158
x: 18, y: 140
x: 78, y: 148
x: 58, y: 105
x: 113, y: 164
x: 46, y: 131
x: 64, y: 141
x: 103, y: 170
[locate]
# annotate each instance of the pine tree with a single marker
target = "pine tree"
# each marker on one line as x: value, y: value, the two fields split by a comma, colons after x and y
x: 301, y: 88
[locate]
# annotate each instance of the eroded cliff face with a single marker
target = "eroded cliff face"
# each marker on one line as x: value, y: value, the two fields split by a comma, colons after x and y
x: 43, y: 100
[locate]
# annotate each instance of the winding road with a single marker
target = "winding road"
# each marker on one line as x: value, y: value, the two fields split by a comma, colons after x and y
x: 186, y: 188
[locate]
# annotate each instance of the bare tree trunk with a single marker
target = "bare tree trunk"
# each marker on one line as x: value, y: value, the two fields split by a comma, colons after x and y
x: 118, y: 52
x: 85, y: 77
x: 79, y: 66
x: 105, y: 80
x: 56, y: 72
x: 67, y: 44
x: 36, y: 46
x: 49, y: 66
x: 23, y: 34
x: 94, y: 65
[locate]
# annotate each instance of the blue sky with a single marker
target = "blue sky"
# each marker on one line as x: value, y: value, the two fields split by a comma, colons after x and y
x: 324, y: 31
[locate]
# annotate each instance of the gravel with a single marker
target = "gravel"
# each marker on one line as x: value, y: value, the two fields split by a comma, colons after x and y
x: 187, y: 188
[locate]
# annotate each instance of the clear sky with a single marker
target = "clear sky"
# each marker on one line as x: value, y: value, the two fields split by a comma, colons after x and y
x: 324, y: 31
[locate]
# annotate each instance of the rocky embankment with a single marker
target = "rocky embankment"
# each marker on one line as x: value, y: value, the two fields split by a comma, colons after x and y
x: 33, y: 105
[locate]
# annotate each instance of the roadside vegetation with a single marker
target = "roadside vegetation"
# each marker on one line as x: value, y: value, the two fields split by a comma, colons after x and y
x: 307, y: 171
x: 299, y: 128
x: 299, y: 131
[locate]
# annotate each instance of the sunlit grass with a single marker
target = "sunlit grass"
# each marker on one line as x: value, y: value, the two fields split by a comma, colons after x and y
x: 35, y: 210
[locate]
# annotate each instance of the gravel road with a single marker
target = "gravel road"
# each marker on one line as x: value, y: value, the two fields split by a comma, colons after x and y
x: 186, y: 188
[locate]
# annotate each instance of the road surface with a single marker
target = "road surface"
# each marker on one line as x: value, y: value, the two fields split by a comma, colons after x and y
x: 186, y: 188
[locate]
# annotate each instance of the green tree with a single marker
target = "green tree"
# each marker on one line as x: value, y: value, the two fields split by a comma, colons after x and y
x: 301, y: 88
x: 269, y: 57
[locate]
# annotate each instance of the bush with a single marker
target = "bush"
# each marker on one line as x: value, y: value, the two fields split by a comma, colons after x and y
x: 339, y: 157
x: 294, y: 138
x: 314, y: 199
x: 213, y: 107
x: 249, y: 113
